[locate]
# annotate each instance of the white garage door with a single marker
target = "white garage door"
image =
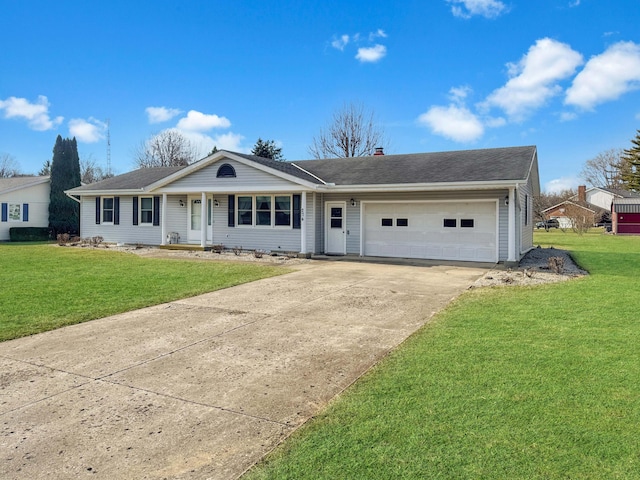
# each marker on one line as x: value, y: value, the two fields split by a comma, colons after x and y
x: 433, y: 230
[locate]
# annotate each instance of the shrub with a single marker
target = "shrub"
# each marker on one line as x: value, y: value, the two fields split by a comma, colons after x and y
x: 556, y: 264
x: 30, y: 234
x: 217, y: 248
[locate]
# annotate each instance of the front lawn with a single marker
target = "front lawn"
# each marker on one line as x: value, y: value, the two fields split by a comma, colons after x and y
x: 506, y: 383
x: 43, y: 287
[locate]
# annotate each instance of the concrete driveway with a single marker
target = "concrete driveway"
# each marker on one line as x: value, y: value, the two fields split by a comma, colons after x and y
x: 204, y: 387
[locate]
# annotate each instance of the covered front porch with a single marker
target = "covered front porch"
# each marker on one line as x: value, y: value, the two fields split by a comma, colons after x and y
x: 275, y: 221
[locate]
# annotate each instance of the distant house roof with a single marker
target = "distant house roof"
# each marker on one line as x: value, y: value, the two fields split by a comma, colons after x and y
x: 510, y: 164
x: 585, y: 205
x: 16, y: 183
x: 616, y: 192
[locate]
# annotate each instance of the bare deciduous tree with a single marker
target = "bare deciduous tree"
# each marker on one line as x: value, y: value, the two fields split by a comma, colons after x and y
x: 166, y: 149
x: 581, y: 218
x: 606, y: 169
x: 91, y: 172
x: 352, y: 132
x: 8, y: 166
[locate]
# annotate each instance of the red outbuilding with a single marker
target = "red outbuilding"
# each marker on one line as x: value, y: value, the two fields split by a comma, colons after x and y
x: 625, y: 216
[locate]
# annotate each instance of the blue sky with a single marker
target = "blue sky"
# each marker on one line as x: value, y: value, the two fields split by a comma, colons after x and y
x: 440, y: 75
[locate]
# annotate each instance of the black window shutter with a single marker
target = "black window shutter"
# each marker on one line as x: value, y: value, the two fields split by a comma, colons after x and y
x: 25, y: 212
x: 97, y: 210
x: 116, y: 210
x: 135, y: 210
x: 156, y: 211
x: 296, y: 211
x: 5, y: 212
x: 232, y: 211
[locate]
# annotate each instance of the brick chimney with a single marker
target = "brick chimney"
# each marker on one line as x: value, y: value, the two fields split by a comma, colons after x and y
x: 379, y: 151
x: 582, y: 193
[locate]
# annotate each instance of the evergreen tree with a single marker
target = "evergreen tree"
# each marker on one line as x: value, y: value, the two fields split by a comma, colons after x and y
x: 64, y: 212
x: 267, y: 149
x: 632, y: 174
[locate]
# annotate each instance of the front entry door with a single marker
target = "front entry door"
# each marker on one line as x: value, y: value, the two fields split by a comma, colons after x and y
x: 336, y: 238
x: 195, y: 221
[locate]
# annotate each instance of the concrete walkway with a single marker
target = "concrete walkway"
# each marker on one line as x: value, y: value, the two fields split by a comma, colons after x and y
x: 204, y: 387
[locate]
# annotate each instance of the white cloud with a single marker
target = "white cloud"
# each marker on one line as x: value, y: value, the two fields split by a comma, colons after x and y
x: 575, y: 3
x: 199, y: 122
x: 534, y: 78
x: 567, y: 116
x: 161, y: 114
x: 485, y: 8
x: 455, y: 122
x: 36, y: 114
x: 459, y: 94
x: 371, y: 54
x: 557, y: 185
x: 340, y: 43
x: 377, y: 34
x: 88, y: 131
x: 606, y: 76
x: 203, y: 143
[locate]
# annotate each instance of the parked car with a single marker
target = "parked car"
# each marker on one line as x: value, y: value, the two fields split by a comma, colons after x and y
x: 547, y: 224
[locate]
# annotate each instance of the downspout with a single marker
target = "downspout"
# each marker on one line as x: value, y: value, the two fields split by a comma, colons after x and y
x: 511, y: 237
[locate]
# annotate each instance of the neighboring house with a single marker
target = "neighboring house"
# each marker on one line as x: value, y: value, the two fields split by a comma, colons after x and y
x: 569, y: 212
x: 24, y: 202
x: 602, y: 197
x: 625, y: 215
x: 471, y: 205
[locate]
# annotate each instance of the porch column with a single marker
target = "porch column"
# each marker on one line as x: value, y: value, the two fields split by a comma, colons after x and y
x: 303, y: 223
x: 163, y: 228
x: 511, y: 237
x: 203, y: 220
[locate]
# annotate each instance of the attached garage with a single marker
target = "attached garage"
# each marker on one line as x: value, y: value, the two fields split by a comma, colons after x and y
x: 438, y: 230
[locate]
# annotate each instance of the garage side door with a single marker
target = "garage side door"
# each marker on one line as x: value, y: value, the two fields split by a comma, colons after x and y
x: 431, y: 230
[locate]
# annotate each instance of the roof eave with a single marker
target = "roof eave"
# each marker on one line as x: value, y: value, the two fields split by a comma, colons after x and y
x: 399, y: 187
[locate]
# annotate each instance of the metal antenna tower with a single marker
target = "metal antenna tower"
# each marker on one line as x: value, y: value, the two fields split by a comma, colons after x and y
x: 108, y: 148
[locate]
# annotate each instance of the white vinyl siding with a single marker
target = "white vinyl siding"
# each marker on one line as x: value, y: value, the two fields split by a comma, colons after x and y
x: 247, y: 179
x: 37, y: 197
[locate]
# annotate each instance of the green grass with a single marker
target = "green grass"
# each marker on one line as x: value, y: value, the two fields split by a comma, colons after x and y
x: 44, y: 286
x: 506, y: 383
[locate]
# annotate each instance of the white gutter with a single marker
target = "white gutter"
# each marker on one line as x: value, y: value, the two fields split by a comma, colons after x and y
x: 422, y: 186
x: 72, y: 197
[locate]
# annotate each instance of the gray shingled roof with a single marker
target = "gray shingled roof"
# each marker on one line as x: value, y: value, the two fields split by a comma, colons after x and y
x: 285, y: 167
x: 136, y: 180
x: 11, y: 183
x: 622, y: 193
x: 494, y: 164
x: 484, y: 165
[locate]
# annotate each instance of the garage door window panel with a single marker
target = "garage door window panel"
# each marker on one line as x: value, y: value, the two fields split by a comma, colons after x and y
x: 467, y: 223
x: 450, y: 223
